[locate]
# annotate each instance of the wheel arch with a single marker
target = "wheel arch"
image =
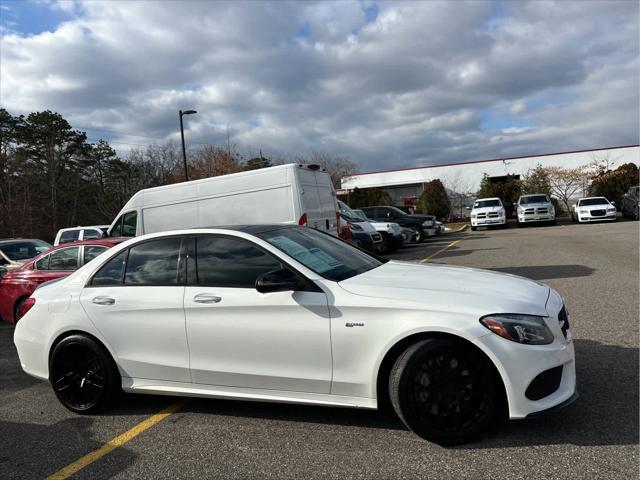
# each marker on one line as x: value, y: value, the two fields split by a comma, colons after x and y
x: 61, y: 336
x: 392, y: 354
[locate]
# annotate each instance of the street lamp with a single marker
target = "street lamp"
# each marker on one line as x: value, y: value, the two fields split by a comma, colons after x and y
x: 184, y: 151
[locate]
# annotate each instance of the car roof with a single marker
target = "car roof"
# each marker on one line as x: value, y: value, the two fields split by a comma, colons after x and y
x: 252, y: 229
x: 488, y: 198
x: 534, y: 195
x: 593, y: 198
x: 107, y: 242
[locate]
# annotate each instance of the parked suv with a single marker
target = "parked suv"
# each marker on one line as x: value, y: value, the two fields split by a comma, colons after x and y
x: 487, y: 212
x: 536, y: 207
x: 423, y: 225
x: 630, y: 203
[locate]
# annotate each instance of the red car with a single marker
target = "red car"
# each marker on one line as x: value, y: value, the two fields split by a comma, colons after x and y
x: 57, y: 262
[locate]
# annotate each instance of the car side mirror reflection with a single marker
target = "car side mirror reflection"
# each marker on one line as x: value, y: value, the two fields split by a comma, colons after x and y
x: 277, y: 281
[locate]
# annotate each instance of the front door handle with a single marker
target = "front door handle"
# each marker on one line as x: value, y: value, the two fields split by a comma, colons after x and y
x: 104, y: 300
x: 206, y: 298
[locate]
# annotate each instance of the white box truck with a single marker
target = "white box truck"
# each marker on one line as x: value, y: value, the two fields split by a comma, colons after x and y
x: 292, y: 194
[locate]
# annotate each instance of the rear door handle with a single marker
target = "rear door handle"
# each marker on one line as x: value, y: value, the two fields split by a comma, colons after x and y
x: 206, y: 298
x: 104, y: 300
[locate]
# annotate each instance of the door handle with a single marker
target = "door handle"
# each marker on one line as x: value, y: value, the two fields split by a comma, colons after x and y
x: 103, y: 300
x: 206, y: 298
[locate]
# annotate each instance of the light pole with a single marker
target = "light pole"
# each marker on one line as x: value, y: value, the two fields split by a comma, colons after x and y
x: 184, y: 150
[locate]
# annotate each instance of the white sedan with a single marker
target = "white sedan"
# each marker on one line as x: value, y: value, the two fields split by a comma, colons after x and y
x: 290, y: 314
x: 593, y: 209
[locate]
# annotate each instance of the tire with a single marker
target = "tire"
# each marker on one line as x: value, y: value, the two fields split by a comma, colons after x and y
x: 474, y: 228
x: 636, y: 213
x: 460, y: 398
x: 520, y: 225
x: 83, y: 375
x: 17, y: 308
x: 419, y: 234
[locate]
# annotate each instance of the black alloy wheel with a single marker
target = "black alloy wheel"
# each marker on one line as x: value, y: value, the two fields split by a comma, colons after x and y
x: 445, y: 391
x: 83, y: 375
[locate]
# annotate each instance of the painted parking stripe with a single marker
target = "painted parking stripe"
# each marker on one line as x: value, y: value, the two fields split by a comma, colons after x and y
x: 425, y: 260
x: 118, y: 441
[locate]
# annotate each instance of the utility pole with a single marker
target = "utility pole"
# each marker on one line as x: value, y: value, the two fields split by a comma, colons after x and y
x: 184, y: 150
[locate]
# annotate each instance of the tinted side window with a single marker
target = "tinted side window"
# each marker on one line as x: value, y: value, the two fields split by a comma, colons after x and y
x: 230, y: 262
x: 154, y: 263
x: 111, y: 272
x: 65, y: 259
x: 69, y: 236
x: 90, y: 234
x: 129, y: 224
x: 92, y: 251
x: 43, y: 263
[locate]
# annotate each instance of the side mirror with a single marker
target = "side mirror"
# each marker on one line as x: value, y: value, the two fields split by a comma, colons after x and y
x: 468, y: 208
x: 515, y: 204
x: 612, y: 203
x: 277, y: 281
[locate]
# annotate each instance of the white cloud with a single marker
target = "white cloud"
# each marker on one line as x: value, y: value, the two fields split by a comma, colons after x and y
x: 288, y: 77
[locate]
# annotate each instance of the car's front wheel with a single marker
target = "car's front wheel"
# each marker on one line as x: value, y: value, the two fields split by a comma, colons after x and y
x: 83, y: 375
x: 444, y: 391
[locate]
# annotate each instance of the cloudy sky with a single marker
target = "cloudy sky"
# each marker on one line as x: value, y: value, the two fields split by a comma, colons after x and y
x: 388, y: 84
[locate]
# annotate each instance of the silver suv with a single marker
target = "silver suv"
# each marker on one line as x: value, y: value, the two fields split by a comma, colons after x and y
x: 536, y: 207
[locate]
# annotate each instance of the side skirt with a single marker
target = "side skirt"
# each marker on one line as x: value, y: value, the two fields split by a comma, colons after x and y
x: 162, y: 387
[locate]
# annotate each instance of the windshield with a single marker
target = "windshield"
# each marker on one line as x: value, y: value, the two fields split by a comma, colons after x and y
x: 534, y: 199
x: 359, y: 214
x: 487, y: 203
x: 24, y: 249
x: 593, y: 201
x: 325, y: 255
x: 346, y: 212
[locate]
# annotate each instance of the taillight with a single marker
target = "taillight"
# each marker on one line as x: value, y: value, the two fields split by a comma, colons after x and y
x: 303, y: 220
x: 26, y: 306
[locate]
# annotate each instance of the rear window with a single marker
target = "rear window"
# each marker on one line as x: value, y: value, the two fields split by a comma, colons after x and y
x: 24, y: 250
x: 70, y: 236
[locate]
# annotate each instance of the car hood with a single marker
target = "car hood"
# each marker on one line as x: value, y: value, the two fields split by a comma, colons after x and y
x: 600, y: 206
x: 536, y: 205
x: 366, y: 227
x: 451, y: 288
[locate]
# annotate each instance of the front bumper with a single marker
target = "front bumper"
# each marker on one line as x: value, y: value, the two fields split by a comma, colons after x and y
x: 482, y: 222
x: 536, y: 218
x: 582, y: 217
x: 519, y: 365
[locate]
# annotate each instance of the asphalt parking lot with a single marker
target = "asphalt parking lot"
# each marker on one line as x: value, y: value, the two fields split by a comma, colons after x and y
x: 595, y: 267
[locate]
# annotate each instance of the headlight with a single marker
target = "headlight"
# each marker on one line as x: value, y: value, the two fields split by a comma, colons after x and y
x: 389, y: 228
x: 584, y: 211
x: 356, y: 227
x: 520, y: 209
x: 611, y: 209
x: 527, y: 329
x: 473, y: 215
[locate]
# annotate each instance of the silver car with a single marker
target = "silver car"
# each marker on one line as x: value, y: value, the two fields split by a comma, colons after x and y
x: 535, y: 208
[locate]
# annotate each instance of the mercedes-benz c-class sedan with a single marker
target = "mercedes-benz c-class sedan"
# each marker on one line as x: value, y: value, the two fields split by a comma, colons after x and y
x: 289, y: 314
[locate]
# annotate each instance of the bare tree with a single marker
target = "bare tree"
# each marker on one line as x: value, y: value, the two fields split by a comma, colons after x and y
x: 567, y: 183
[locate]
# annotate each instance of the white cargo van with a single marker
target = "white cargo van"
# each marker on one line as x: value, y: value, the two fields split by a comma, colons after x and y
x: 292, y: 194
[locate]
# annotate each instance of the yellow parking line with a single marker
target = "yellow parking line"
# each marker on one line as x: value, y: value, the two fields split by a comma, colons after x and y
x: 425, y: 260
x: 89, y: 458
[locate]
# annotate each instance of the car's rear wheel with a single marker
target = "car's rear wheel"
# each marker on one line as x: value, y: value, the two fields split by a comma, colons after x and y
x: 17, y: 308
x: 444, y: 391
x: 83, y: 375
